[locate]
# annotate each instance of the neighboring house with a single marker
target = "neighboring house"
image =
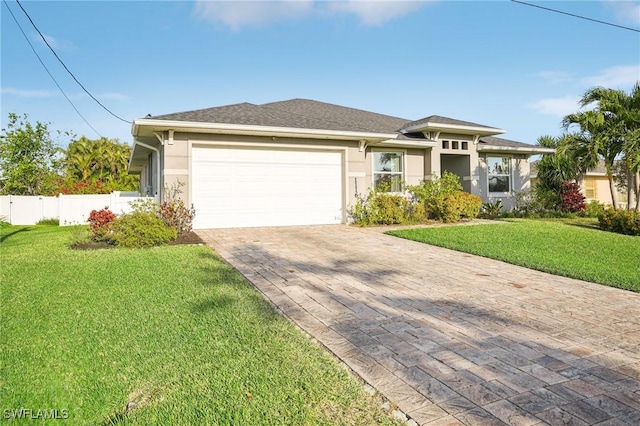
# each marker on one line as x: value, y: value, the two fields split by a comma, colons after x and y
x: 304, y: 162
x: 594, y: 185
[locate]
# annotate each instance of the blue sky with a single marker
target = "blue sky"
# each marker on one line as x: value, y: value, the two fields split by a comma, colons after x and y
x: 497, y: 63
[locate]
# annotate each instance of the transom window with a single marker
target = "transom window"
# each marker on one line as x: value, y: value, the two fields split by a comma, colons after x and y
x: 388, y: 171
x: 499, y: 172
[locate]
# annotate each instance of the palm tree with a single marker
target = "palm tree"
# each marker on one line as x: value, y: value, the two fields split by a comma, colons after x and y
x: 553, y: 169
x: 79, y: 159
x: 600, y: 134
x: 631, y: 118
x: 623, y: 112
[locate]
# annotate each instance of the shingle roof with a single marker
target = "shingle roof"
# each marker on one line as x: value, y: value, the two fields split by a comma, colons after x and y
x: 444, y: 120
x: 310, y: 114
x: 492, y: 140
x: 296, y: 113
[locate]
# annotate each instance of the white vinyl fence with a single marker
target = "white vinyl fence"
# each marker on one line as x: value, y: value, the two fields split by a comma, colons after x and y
x: 68, y: 209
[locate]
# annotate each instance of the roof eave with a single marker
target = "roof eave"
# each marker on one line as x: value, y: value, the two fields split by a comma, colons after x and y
x: 457, y: 128
x: 396, y: 143
x: 517, y: 149
x: 252, y: 130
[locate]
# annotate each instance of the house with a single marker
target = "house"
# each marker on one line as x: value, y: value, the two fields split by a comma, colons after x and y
x: 302, y: 161
x: 594, y: 185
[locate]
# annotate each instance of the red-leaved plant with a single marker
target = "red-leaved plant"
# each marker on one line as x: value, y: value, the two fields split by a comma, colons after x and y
x: 572, y: 199
x: 100, y: 223
x: 84, y: 187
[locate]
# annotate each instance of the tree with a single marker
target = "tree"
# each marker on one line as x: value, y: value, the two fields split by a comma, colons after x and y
x: 600, y: 134
x: 553, y: 169
x: 88, y: 161
x: 629, y: 117
x: 622, y: 111
x: 29, y: 159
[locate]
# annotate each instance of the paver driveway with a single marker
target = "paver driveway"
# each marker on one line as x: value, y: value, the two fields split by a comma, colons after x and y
x: 451, y: 338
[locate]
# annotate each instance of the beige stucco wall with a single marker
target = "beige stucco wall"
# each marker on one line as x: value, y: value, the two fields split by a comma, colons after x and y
x: 470, y: 178
x: 520, y: 181
x: 177, y: 157
x: 601, y: 186
x: 357, y: 161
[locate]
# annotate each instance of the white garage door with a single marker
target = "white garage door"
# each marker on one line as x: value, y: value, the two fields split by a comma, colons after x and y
x: 237, y: 187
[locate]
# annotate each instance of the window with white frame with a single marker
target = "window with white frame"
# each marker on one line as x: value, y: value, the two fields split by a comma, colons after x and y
x: 388, y: 170
x: 499, y: 174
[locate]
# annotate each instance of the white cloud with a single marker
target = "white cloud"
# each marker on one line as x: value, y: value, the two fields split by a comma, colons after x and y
x: 76, y: 96
x: 237, y: 14
x: 626, y: 11
x: 375, y: 12
x: 615, y: 77
x: 558, y: 107
x: 55, y: 43
x: 22, y: 93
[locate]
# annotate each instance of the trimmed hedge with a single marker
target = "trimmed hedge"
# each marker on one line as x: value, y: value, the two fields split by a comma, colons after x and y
x: 458, y: 206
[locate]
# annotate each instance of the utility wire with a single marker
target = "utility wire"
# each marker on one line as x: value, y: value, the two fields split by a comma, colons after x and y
x: 47, y: 69
x: 576, y: 16
x: 65, y: 67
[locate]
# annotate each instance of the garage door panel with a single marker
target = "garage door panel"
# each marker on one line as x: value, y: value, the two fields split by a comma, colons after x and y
x: 235, y: 187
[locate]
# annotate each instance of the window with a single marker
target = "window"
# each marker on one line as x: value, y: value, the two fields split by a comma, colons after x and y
x: 499, y: 173
x: 591, y: 189
x: 445, y: 144
x: 465, y: 145
x: 388, y: 171
x: 454, y: 145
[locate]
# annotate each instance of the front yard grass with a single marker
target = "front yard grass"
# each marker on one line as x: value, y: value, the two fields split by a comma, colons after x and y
x: 571, y: 248
x: 173, y: 333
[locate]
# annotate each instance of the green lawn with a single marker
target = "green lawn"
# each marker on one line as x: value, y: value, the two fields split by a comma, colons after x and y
x: 572, y: 248
x: 174, y: 330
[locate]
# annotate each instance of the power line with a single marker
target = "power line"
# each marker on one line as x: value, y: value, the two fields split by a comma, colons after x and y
x: 47, y: 70
x: 65, y: 67
x: 575, y: 16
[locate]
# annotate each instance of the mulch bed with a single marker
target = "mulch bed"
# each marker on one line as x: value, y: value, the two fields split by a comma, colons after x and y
x: 190, y: 238
x: 91, y: 245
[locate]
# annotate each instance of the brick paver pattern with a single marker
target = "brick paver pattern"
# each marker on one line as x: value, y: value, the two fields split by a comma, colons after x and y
x: 451, y: 338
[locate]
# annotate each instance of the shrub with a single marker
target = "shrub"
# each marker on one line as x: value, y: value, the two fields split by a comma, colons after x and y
x: 572, y: 199
x: 81, y: 235
x: 621, y: 221
x: 49, y: 221
x: 101, y: 224
x: 144, y: 205
x: 382, y: 208
x: 538, y: 203
x: 460, y: 205
x: 432, y: 192
x: 84, y: 187
x: 390, y: 209
x: 491, y: 210
x: 547, y: 200
x: 141, y: 229
x: 173, y: 211
x: 593, y: 209
x: 417, y: 213
x: 360, y: 211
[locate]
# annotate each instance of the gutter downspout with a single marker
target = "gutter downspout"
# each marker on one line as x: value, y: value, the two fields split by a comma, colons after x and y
x: 153, y: 148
